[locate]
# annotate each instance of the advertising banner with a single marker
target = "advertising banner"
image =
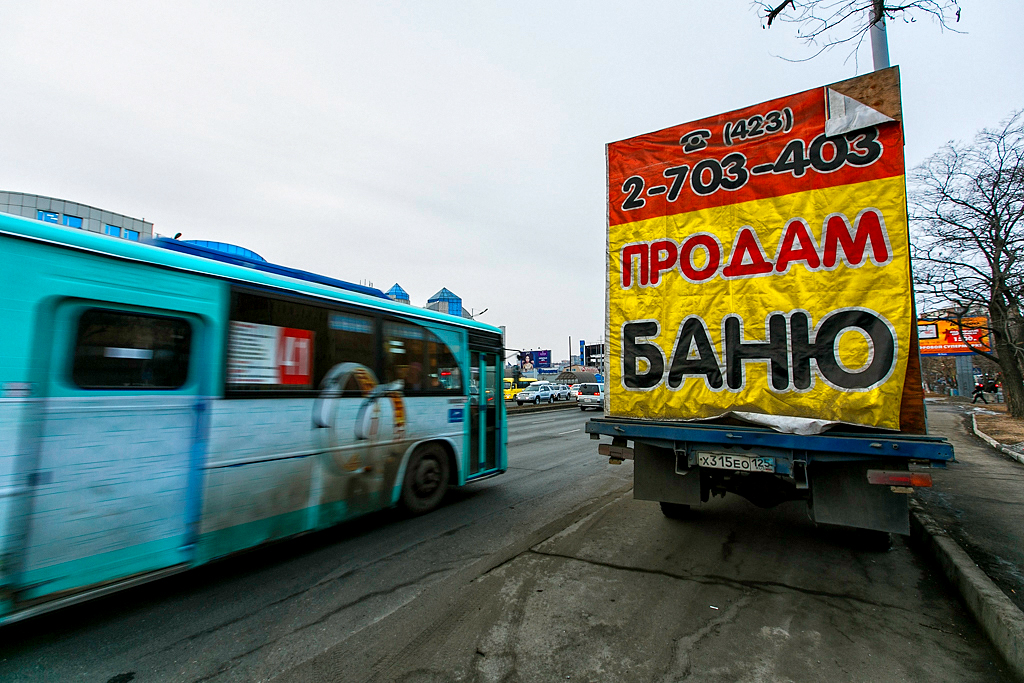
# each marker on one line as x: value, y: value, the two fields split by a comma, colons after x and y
x: 536, y: 359
x: 945, y: 338
x: 758, y: 262
x: 267, y: 354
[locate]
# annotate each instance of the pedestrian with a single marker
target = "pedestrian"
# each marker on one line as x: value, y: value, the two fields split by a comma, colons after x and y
x: 979, y: 391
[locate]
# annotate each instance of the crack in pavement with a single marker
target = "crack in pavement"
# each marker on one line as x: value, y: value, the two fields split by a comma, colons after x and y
x: 718, y: 580
x: 685, y: 644
x: 300, y: 592
x: 231, y: 663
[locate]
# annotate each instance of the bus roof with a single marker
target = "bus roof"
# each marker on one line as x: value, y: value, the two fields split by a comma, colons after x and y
x: 227, y: 268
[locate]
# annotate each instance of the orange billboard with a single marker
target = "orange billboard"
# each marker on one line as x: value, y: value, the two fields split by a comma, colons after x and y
x: 947, y: 338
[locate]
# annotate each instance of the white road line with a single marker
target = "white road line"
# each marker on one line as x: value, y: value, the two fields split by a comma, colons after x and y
x: 568, y: 432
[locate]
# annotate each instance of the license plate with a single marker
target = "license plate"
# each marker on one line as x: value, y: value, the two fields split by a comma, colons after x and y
x: 742, y: 463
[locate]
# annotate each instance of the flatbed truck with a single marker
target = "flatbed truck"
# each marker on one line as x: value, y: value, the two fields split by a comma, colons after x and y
x: 853, y: 479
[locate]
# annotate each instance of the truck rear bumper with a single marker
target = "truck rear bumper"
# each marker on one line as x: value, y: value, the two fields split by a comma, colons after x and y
x: 829, y: 472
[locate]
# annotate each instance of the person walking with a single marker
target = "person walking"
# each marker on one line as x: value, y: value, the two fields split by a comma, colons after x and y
x: 979, y: 390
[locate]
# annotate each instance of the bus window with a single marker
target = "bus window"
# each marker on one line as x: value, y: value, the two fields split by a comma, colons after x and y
x: 275, y: 344
x: 354, y: 340
x: 126, y: 350
x: 423, y: 362
x: 403, y: 355
x: 442, y: 369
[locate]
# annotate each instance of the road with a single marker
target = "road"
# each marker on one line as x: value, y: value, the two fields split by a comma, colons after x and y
x: 258, y: 614
x: 549, y: 572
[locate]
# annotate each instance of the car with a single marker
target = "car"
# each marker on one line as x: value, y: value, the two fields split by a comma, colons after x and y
x: 590, y: 396
x: 561, y: 392
x: 511, y: 386
x: 535, y: 393
x: 574, y: 390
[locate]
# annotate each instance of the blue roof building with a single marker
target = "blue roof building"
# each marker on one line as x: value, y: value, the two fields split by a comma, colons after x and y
x: 446, y: 301
x: 396, y: 293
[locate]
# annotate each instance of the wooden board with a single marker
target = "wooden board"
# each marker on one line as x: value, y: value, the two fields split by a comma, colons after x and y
x: 879, y: 90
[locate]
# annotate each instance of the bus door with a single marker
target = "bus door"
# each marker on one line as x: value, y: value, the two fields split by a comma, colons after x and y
x: 119, y: 447
x: 486, y: 405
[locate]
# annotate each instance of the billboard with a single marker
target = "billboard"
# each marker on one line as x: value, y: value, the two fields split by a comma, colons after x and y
x: 758, y: 261
x: 530, y: 360
x: 945, y: 338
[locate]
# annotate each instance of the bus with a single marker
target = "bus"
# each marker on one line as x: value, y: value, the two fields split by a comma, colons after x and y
x: 166, y: 404
x: 511, y: 387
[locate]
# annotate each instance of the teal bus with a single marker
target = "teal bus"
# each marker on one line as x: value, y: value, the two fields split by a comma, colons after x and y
x: 165, y: 404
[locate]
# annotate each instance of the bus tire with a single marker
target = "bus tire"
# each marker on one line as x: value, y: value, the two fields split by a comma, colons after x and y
x: 426, y: 479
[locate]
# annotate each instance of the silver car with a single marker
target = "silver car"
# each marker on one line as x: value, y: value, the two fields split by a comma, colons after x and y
x: 590, y: 396
x: 535, y: 393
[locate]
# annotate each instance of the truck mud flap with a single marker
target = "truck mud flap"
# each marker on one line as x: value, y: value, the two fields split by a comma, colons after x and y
x: 842, y: 495
x: 655, y: 477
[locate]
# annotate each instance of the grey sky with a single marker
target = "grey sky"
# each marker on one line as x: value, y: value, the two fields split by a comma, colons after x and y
x: 456, y: 144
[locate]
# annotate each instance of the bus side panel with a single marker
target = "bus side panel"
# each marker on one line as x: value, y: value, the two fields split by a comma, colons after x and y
x: 14, y: 414
x: 257, y: 474
x: 18, y: 392
x: 106, y: 492
x: 271, y: 472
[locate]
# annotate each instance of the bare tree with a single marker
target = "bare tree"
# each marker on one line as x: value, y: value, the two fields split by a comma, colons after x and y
x: 938, y: 372
x: 825, y: 24
x: 967, y: 215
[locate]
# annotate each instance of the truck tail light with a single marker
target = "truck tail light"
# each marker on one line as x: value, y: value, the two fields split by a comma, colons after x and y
x: 890, y: 478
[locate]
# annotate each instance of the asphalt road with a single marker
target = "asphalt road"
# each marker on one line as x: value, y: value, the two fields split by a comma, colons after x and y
x: 549, y: 572
x: 259, y: 614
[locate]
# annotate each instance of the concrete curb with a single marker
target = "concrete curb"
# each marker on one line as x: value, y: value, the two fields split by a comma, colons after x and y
x: 516, y: 410
x: 992, y: 442
x: 999, y: 618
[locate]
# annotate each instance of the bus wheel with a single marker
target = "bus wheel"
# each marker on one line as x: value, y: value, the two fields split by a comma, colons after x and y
x: 426, y: 479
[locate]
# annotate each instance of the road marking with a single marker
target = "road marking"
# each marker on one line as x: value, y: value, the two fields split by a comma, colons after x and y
x: 568, y: 432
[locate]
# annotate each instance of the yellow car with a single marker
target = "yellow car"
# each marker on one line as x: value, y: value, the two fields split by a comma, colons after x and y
x: 512, y: 387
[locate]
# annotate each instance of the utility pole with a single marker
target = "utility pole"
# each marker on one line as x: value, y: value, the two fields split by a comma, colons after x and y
x: 879, y: 40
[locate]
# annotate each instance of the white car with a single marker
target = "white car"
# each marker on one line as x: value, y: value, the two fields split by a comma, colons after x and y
x: 574, y: 390
x: 561, y: 392
x: 536, y: 393
x: 590, y: 396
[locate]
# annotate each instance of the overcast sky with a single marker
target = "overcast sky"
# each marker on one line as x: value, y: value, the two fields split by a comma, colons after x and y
x: 433, y: 144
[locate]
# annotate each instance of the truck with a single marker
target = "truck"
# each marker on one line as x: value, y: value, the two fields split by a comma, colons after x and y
x: 760, y: 321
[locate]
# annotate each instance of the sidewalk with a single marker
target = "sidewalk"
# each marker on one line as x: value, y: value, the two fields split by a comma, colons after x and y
x: 978, y: 501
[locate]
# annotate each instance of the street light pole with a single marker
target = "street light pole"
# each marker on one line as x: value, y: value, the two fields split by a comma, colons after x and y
x: 879, y: 40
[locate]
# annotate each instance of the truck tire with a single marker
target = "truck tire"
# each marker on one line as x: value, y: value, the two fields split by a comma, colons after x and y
x: 674, y: 510
x: 426, y: 479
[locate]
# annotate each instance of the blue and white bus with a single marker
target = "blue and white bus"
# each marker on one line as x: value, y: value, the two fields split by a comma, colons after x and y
x: 166, y: 404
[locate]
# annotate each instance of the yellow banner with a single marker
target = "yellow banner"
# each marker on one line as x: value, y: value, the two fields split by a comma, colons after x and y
x: 792, y: 305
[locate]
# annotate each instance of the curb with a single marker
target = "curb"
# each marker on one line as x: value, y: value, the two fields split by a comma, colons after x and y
x: 992, y: 442
x: 999, y: 618
x: 516, y: 410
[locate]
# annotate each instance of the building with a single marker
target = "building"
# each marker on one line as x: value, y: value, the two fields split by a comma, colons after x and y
x: 74, y: 215
x: 396, y: 293
x: 446, y: 301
